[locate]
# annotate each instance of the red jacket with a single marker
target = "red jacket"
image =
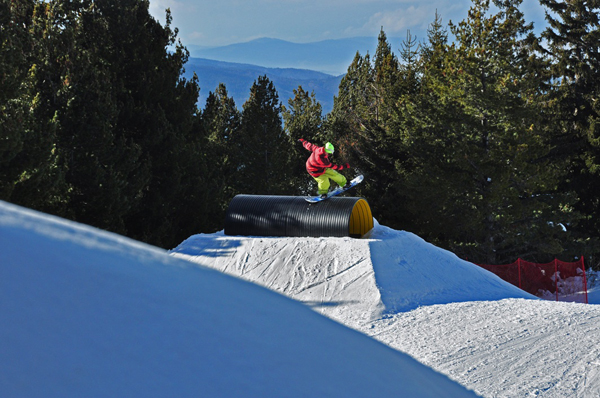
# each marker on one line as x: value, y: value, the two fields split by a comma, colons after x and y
x: 319, y: 160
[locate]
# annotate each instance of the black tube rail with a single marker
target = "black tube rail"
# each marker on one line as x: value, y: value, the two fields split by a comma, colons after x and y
x: 257, y: 215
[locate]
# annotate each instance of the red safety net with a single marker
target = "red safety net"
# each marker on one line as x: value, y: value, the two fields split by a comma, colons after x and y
x: 557, y: 280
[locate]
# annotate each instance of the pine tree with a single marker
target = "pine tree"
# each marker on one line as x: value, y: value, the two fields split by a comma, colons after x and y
x: 366, y: 117
x: 396, y: 148
x: 158, y: 113
x: 262, y: 148
x: 221, y: 122
x: 302, y: 119
x: 28, y: 159
x: 16, y: 50
x: 386, y: 69
x: 573, y: 35
x: 497, y: 191
x: 113, y: 128
x: 433, y: 50
x: 422, y: 127
x: 383, y: 145
x: 354, y: 115
x: 98, y: 164
x: 354, y: 106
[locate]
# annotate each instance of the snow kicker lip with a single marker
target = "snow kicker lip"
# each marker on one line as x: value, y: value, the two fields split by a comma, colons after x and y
x: 258, y: 215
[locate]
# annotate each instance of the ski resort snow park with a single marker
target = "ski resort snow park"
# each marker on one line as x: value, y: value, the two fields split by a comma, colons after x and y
x: 292, y: 299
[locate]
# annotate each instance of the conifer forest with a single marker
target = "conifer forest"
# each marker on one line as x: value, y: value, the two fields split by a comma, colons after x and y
x: 483, y: 138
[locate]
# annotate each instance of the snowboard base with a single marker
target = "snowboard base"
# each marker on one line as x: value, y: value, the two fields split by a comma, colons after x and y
x: 335, y: 192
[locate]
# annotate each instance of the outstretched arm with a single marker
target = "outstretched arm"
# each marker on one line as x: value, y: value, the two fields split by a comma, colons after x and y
x: 340, y: 167
x: 307, y: 145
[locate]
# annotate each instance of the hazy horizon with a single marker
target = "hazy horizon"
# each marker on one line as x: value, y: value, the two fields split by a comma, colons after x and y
x: 215, y: 24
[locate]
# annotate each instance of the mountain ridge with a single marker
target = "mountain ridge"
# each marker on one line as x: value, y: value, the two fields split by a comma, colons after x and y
x: 331, y: 56
x: 239, y: 77
x: 316, y: 66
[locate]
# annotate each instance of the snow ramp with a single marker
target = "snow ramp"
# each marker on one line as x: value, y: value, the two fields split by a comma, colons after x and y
x: 353, y: 281
x: 273, y: 215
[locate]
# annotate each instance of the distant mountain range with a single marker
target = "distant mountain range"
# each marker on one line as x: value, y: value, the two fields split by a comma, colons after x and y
x: 329, y: 56
x: 317, y: 66
x: 238, y: 78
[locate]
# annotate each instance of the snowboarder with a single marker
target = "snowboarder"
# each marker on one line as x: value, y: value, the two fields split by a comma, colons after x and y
x: 321, y: 168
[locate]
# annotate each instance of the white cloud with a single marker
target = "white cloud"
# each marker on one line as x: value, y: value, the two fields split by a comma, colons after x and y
x: 396, y: 17
x: 418, y: 16
x: 195, y: 35
x: 400, y: 20
x: 157, y: 8
x: 228, y: 21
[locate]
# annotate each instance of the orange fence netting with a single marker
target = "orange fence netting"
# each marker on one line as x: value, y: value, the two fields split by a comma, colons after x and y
x: 557, y: 280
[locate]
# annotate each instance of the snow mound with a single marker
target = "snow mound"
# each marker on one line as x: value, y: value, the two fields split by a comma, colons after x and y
x: 412, y: 273
x: 85, y: 313
x: 449, y: 314
x: 354, y: 281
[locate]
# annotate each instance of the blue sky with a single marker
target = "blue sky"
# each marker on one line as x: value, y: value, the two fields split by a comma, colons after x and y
x: 222, y: 22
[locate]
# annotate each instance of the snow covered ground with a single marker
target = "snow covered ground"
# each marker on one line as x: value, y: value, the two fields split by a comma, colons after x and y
x: 449, y: 314
x: 85, y: 313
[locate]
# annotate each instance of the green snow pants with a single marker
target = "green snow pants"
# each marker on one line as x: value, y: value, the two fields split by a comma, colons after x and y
x: 323, y: 180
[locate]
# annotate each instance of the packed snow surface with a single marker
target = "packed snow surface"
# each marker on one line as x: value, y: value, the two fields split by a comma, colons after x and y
x: 85, y: 313
x: 449, y: 314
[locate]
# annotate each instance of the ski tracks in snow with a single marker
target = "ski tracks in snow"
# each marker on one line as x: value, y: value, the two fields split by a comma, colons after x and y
x: 334, y: 276
x: 449, y: 314
x: 507, y: 348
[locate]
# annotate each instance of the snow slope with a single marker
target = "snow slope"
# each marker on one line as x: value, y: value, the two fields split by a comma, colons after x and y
x: 85, y: 313
x: 506, y: 348
x: 354, y: 281
x: 449, y: 314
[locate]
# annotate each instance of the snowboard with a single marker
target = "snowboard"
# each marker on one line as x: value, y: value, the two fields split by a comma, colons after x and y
x: 335, y: 192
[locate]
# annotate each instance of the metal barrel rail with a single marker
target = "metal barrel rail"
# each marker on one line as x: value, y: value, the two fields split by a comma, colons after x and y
x: 258, y: 215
